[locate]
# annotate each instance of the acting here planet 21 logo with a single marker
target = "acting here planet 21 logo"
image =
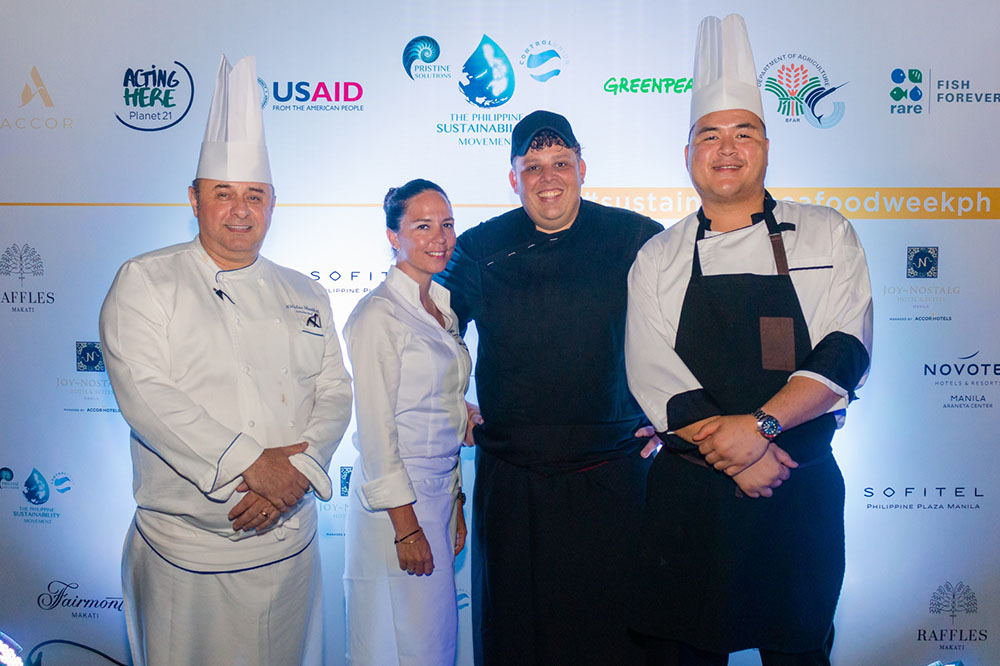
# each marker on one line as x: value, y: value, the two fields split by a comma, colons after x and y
x: 155, y: 98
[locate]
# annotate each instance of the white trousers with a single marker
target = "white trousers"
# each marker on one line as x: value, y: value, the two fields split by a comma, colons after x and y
x: 394, y: 617
x: 267, y: 616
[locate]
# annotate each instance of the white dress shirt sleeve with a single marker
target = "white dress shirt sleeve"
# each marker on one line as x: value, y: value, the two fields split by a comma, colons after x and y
x: 133, y: 328
x: 375, y: 342
x: 655, y: 372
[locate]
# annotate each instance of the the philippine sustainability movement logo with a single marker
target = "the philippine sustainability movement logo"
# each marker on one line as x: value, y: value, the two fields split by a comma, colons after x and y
x: 155, y: 98
x: 802, y: 89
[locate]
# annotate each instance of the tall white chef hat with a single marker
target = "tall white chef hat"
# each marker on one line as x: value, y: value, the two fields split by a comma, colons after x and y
x: 234, y: 148
x: 724, y: 74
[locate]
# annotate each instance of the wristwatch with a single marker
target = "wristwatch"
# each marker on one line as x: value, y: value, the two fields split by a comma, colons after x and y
x: 767, y: 425
x: 461, y: 496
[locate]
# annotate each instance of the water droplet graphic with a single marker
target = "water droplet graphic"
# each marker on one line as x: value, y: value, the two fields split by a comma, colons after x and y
x: 36, y: 488
x: 489, y: 75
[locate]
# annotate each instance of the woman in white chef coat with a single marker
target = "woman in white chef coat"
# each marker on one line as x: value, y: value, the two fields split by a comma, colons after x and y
x: 411, y: 370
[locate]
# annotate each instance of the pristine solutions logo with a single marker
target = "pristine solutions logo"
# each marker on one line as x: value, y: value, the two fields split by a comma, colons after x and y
x: 803, y: 90
x: 33, y: 94
x: 419, y: 57
x: 906, y: 91
x: 489, y: 76
x: 156, y: 98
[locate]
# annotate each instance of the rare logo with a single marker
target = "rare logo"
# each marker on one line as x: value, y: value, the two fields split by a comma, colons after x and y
x: 155, y: 98
x: 89, y: 357
x: 803, y: 90
x: 921, y: 262
x: 489, y: 76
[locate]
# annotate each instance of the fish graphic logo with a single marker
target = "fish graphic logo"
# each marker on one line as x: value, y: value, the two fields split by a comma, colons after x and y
x: 421, y: 48
x: 36, y: 488
x: 489, y: 75
x: 899, y: 77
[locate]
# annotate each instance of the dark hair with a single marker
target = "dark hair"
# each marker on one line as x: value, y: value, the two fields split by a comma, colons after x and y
x: 545, y: 138
x: 397, y: 198
x: 196, y: 186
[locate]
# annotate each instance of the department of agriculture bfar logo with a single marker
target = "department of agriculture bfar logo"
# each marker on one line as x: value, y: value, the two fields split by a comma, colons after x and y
x: 802, y: 88
x: 420, y: 56
x: 89, y: 357
x: 921, y: 262
x: 906, y: 91
x: 489, y: 76
x: 544, y: 59
x: 155, y: 98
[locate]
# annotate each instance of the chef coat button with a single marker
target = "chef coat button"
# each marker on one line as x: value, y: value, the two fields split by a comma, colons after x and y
x: 251, y: 423
x: 246, y: 369
x: 284, y: 371
x: 291, y: 424
x: 261, y: 280
x: 236, y: 320
x: 277, y: 320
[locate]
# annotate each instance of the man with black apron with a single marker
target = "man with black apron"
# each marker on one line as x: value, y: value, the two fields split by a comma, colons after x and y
x: 559, y: 470
x: 749, y: 329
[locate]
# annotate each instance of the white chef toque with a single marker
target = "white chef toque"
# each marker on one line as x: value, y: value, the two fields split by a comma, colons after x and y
x: 234, y: 148
x: 724, y: 74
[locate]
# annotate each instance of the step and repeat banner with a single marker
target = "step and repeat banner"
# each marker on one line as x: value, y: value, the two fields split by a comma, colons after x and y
x: 885, y: 111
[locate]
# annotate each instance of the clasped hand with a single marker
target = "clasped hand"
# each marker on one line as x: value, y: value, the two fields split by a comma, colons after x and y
x: 272, y: 486
x: 734, y: 445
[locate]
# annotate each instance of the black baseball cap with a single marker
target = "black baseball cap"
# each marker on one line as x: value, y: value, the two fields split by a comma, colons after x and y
x: 533, y: 123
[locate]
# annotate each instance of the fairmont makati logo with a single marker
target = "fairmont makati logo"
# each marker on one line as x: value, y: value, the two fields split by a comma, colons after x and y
x: 802, y: 89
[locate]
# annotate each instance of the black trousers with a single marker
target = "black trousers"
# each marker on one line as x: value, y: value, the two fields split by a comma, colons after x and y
x: 672, y: 653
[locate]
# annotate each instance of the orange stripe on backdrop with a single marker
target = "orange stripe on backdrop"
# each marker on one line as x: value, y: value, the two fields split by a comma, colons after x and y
x: 858, y: 203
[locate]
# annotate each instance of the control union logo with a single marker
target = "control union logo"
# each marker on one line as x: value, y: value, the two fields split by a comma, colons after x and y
x: 489, y: 76
x: 420, y: 56
x: 23, y: 262
x: 36, y: 109
x: 155, y: 98
x: 543, y: 59
x: 803, y: 90
x: 921, y: 262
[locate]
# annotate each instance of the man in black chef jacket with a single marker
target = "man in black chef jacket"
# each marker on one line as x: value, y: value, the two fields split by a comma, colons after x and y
x: 559, y: 470
x: 749, y: 329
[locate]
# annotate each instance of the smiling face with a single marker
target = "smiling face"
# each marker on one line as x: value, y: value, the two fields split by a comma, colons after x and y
x: 426, y: 236
x: 727, y: 157
x: 548, y: 181
x: 233, y: 218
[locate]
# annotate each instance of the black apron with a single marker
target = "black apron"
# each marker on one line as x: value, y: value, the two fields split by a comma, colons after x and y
x: 719, y: 570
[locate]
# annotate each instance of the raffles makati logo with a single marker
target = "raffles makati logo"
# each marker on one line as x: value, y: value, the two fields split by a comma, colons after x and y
x: 420, y: 59
x: 155, y: 98
x: 953, y: 600
x: 958, y: 602
x: 921, y: 262
x: 22, y: 262
x: 803, y: 90
x: 489, y: 75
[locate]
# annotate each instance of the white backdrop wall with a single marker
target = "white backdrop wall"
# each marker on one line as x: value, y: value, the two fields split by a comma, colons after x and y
x: 903, y: 145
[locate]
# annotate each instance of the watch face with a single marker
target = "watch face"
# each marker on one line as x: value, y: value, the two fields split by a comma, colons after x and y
x: 769, y: 427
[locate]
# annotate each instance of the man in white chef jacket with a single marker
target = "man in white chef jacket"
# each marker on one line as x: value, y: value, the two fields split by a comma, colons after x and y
x: 749, y: 329
x: 228, y: 369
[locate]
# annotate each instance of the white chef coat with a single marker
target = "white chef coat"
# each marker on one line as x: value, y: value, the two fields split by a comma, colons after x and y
x: 411, y: 378
x: 827, y: 267
x: 210, y: 367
